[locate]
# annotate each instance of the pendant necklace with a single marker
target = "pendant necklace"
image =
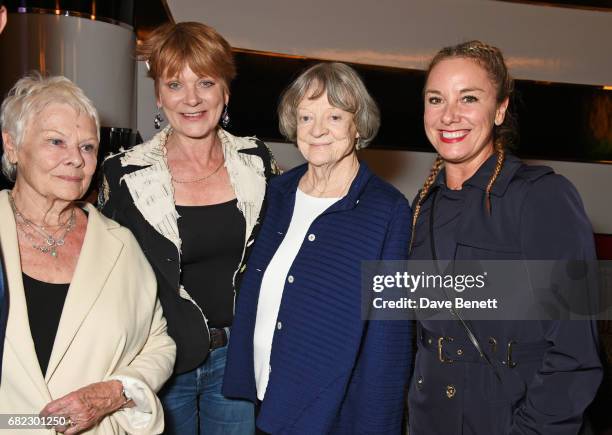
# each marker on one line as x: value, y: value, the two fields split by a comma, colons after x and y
x: 30, y: 230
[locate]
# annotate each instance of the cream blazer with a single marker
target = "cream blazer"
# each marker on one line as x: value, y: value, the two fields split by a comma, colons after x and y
x: 112, y: 327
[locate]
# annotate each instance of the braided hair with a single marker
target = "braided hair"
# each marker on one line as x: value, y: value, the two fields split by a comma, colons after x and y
x: 504, y: 135
x: 433, y: 173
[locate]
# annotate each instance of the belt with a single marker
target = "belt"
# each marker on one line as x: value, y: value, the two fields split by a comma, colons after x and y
x: 219, y: 337
x: 460, y: 349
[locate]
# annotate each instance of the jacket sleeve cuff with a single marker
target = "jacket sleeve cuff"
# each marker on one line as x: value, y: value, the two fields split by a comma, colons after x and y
x: 139, y: 415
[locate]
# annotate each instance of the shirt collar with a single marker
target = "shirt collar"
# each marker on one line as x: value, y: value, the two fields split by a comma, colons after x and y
x: 481, y: 178
x: 288, y: 184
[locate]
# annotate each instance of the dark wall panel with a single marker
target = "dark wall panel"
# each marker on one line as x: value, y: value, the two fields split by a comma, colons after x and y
x: 556, y: 121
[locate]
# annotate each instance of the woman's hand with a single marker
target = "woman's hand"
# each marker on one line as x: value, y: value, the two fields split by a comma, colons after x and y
x: 86, y: 406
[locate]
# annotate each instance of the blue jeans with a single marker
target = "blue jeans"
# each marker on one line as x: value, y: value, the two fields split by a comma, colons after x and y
x: 193, y: 403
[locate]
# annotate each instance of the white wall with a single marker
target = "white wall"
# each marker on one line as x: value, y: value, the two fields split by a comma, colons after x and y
x: 541, y: 43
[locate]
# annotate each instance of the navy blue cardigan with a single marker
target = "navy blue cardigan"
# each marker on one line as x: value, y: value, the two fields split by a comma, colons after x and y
x: 331, y: 372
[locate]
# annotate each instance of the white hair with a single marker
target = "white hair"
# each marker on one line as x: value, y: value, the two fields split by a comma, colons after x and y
x: 30, y: 95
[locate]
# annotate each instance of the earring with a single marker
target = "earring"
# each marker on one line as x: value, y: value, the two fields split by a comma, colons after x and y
x: 358, y: 145
x: 499, y: 118
x: 225, y: 119
x: 157, y: 121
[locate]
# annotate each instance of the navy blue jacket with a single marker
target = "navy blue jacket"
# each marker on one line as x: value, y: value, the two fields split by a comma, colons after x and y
x: 536, y: 215
x: 331, y: 371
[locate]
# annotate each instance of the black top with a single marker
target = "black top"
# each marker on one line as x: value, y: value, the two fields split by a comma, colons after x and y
x: 212, y: 242
x: 45, y: 303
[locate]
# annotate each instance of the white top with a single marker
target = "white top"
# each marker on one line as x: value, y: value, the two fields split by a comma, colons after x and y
x: 307, y: 209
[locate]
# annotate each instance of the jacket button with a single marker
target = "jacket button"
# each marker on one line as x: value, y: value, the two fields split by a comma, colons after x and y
x: 459, y: 351
x: 169, y: 259
x: 311, y: 237
x: 279, y: 325
x: 419, y: 383
x: 290, y: 279
x: 450, y: 391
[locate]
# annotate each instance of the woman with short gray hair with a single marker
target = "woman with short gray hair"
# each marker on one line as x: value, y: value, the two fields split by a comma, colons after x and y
x: 300, y: 348
x: 28, y: 97
x: 86, y: 342
x: 345, y: 90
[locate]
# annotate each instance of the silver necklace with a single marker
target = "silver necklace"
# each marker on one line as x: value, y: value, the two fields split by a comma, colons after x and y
x: 51, y: 243
x: 344, y: 188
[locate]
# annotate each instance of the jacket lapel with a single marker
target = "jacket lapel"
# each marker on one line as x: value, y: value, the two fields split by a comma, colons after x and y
x: 151, y: 187
x: 18, y: 336
x: 153, y: 194
x: 97, y: 258
x: 247, y: 176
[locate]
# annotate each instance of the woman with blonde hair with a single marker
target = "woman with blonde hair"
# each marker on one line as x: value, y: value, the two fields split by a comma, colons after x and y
x: 193, y: 195
x: 481, y: 203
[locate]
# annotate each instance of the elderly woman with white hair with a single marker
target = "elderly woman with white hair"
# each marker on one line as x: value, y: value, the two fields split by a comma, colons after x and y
x: 300, y: 348
x: 86, y: 345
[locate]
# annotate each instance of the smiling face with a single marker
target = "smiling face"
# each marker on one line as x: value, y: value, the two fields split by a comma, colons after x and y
x: 325, y: 134
x: 193, y: 104
x: 461, y: 109
x: 58, y: 154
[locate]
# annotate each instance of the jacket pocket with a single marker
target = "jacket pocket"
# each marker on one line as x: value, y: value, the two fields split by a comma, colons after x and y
x: 471, y: 250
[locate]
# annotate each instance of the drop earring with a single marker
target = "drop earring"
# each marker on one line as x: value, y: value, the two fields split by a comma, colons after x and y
x: 157, y: 121
x: 225, y: 119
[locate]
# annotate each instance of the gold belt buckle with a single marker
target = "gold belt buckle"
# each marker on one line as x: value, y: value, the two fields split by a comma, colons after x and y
x: 441, y: 356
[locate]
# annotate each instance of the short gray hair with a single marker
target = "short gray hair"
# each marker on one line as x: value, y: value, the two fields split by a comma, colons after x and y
x: 30, y: 95
x: 345, y: 90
